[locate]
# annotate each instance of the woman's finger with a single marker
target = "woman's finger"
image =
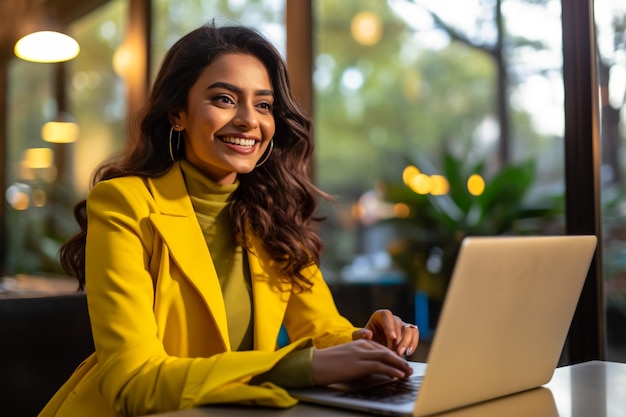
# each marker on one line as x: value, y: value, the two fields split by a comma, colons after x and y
x: 383, y: 325
x: 407, y: 343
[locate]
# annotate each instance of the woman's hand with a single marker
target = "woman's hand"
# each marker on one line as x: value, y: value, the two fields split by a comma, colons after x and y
x: 389, y: 330
x: 357, y: 359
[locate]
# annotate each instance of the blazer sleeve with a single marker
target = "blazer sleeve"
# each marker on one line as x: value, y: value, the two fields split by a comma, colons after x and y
x: 136, y: 375
x: 312, y: 312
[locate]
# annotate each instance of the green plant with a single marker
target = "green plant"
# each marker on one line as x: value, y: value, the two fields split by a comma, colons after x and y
x: 430, y: 235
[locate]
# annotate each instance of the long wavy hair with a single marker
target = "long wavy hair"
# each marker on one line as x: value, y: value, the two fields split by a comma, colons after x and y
x: 276, y: 202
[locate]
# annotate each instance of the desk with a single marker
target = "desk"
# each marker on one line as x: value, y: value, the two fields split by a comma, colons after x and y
x: 590, y: 389
x: 31, y: 286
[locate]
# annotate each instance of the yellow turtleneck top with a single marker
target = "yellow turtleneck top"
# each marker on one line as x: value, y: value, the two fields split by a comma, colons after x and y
x: 210, y: 202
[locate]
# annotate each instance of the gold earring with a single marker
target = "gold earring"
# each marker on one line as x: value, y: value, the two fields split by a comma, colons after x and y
x: 177, y: 143
x: 269, y: 152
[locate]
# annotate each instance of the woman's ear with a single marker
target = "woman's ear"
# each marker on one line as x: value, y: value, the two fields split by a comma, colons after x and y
x: 176, y: 120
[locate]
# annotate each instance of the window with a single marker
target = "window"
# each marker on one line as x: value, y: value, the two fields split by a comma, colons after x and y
x: 450, y: 92
x: 397, y: 83
x: 45, y: 180
x: 30, y: 170
x: 173, y: 19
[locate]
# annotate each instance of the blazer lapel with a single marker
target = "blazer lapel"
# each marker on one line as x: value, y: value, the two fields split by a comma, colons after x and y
x: 179, y: 228
x: 271, y: 294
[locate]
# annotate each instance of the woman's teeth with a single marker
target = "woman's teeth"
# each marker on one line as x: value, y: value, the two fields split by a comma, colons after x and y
x: 238, y: 141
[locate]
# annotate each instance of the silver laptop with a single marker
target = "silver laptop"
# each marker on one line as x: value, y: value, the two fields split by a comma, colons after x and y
x: 501, y: 330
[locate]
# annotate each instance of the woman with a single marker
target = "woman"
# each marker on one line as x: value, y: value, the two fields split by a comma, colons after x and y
x: 196, y: 246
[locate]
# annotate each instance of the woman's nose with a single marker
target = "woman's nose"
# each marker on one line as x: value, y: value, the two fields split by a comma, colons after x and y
x: 246, y: 117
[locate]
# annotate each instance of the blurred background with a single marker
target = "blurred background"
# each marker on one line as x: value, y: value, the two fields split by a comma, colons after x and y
x: 433, y: 120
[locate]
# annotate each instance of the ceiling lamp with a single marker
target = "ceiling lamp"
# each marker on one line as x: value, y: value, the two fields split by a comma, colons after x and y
x: 38, y: 158
x: 46, y: 47
x: 61, y: 130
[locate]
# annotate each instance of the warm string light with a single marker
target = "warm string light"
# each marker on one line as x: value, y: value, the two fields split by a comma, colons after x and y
x: 371, y: 207
x: 476, y: 184
x: 421, y: 183
x: 366, y: 28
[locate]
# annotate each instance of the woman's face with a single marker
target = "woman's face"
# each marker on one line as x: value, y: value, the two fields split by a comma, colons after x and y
x: 228, y: 122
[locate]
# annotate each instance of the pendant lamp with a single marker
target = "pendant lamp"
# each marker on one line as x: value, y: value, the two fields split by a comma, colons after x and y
x: 46, y: 46
x: 63, y: 129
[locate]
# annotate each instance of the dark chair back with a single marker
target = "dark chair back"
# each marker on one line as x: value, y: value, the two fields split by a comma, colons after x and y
x: 42, y: 341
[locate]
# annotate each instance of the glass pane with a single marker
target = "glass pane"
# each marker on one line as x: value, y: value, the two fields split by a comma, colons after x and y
x: 610, y: 18
x: 47, y: 179
x: 414, y: 84
x: 173, y: 19
x: 30, y: 165
x: 96, y: 90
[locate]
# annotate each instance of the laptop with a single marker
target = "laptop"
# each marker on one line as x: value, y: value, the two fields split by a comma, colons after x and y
x: 501, y: 330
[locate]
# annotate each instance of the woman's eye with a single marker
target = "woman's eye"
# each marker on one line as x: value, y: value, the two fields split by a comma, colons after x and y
x: 223, y: 99
x: 266, y: 106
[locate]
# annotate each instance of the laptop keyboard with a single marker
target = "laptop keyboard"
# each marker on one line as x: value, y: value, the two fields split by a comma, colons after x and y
x: 395, y: 392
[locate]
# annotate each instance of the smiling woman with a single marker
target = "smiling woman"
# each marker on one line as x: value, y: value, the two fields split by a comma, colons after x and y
x: 195, y: 254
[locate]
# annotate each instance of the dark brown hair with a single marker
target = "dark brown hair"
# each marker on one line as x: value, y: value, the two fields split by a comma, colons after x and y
x: 275, y: 202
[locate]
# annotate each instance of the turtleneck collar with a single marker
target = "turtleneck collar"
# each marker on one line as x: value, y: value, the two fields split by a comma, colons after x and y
x: 207, y: 196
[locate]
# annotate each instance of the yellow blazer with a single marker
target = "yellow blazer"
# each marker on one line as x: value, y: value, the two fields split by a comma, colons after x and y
x: 158, y: 316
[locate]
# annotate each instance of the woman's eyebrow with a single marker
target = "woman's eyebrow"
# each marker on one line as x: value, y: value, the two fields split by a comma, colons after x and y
x: 237, y: 90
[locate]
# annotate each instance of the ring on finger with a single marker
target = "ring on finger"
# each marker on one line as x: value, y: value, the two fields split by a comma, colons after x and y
x: 411, y: 326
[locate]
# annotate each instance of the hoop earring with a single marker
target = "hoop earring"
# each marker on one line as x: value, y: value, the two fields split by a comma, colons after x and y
x: 271, y: 148
x: 177, y: 143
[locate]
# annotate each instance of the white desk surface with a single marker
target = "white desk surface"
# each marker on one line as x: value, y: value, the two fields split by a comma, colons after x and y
x: 589, y: 389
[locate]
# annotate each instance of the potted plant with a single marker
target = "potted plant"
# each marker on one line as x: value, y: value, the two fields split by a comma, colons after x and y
x: 429, y: 233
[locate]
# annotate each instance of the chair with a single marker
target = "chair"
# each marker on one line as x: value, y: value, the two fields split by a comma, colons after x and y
x: 43, y: 339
